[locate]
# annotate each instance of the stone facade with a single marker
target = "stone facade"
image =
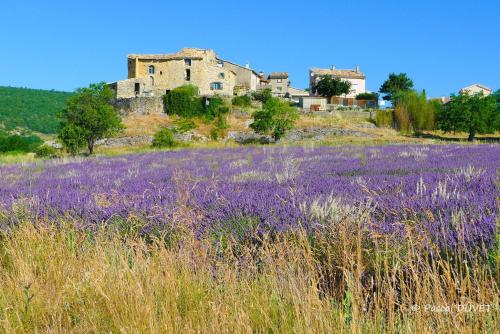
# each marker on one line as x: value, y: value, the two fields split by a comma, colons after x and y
x: 279, y: 83
x: 144, y: 105
x: 355, y: 77
x: 247, y: 80
x: 156, y: 74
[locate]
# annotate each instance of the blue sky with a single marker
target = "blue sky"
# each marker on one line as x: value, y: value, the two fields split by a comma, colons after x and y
x: 441, y: 45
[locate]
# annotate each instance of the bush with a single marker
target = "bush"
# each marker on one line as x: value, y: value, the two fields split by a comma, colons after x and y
x: 220, y: 126
x: 413, y: 112
x: 275, y: 118
x: 383, y: 118
x: 263, y: 95
x: 215, y: 108
x: 164, y: 138
x: 183, y: 125
x: 45, y: 151
x: 367, y: 96
x: 17, y: 143
x: 241, y: 101
x: 183, y: 101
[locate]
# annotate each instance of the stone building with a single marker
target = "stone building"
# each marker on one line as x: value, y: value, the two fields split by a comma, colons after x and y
x: 247, y: 80
x: 278, y: 82
x: 157, y: 74
x: 354, y: 76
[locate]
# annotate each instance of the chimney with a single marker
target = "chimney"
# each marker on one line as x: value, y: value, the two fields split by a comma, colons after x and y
x: 247, y: 65
x: 357, y: 68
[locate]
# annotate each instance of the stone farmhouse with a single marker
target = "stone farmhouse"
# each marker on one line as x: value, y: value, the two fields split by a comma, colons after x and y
x: 354, y: 76
x: 157, y: 74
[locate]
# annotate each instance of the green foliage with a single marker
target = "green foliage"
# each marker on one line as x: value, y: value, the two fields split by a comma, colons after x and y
x: 219, y: 128
x: 394, y: 84
x: 241, y: 101
x: 17, y: 143
x: 329, y: 86
x: 45, y: 151
x: 215, y: 108
x: 383, y: 118
x: 367, y: 96
x: 183, y: 101
x: 183, y: 125
x: 32, y: 109
x: 72, y: 137
x: 275, y: 118
x: 414, y: 112
x: 91, y: 111
x: 475, y: 114
x: 164, y: 138
x: 263, y: 95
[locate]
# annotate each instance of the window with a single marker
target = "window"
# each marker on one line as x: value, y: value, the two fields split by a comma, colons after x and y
x: 279, y: 80
x: 151, y: 70
x: 216, y: 86
x: 137, y: 88
x: 187, y: 62
x: 222, y: 75
x: 161, y: 73
x: 279, y: 88
x: 220, y: 63
x: 187, y: 75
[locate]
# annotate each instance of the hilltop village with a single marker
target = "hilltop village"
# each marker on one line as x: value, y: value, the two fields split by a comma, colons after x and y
x: 154, y: 75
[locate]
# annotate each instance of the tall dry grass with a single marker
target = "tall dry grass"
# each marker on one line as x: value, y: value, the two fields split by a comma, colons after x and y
x: 56, y: 278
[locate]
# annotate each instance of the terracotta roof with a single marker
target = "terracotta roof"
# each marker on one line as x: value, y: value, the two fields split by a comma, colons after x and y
x: 190, y: 53
x: 278, y: 75
x: 338, y: 73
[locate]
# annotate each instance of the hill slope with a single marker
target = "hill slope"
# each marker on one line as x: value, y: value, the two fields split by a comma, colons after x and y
x: 34, y: 109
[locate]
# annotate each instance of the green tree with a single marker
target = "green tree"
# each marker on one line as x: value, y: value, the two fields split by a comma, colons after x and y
x: 329, y: 86
x: 73, y: 138
x: 89, y: 114
x: 367, y: 96
x: 275, y: 118
x: 475, y: 114
x: 395, y: 84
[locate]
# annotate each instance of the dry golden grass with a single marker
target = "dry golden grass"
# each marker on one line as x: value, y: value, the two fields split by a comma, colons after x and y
x: 61, y: 280
x: 144, y: 125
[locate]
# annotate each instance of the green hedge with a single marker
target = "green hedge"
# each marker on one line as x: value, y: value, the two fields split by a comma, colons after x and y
x: 383, y: 118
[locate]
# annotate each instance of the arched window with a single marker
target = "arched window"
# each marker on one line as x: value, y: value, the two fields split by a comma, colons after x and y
x: 151, y: 70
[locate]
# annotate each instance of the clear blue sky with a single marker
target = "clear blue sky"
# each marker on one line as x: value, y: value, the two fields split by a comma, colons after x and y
x: 442, y: 45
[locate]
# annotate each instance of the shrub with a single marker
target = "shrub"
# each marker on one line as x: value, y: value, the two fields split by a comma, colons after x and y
x: 164, y: 138
x: 184, y: 125
x: 241, y: 101
x: 17, y: 143
x: 383, y: 118
x: 263, y: 95
x: 215, y: 108
x: 413, y: 112
x: 367, y: 96
x: 220, y: 126
x: 45, y: 151
x: 183, y: 101
x: 275, y: 118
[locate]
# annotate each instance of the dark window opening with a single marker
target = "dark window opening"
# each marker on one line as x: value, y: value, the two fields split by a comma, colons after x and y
x: 222, y: 75
x: 161, y: 73
x: 187, y: 76
x: 167, y: 91
x: 216, y: 86
x: 151, y: 70
x: 187, y: 62
x: 137, y: 88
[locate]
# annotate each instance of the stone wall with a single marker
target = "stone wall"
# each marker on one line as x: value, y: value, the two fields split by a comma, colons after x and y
x: 139, y: 105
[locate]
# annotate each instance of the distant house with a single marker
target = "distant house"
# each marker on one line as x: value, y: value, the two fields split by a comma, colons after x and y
x: 312, y: 103
x: 477, y: 88
x: 247, y: 80
x: 354, y: 76
x: 295, y: 94
x: 279, y: 83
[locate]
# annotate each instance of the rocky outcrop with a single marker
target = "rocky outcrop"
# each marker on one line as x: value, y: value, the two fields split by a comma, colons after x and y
x: 317, y: 133
x: 249, y: 138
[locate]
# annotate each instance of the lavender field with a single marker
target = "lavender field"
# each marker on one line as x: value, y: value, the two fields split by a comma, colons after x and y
x: 391, y: 239
x: 448, y: 193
